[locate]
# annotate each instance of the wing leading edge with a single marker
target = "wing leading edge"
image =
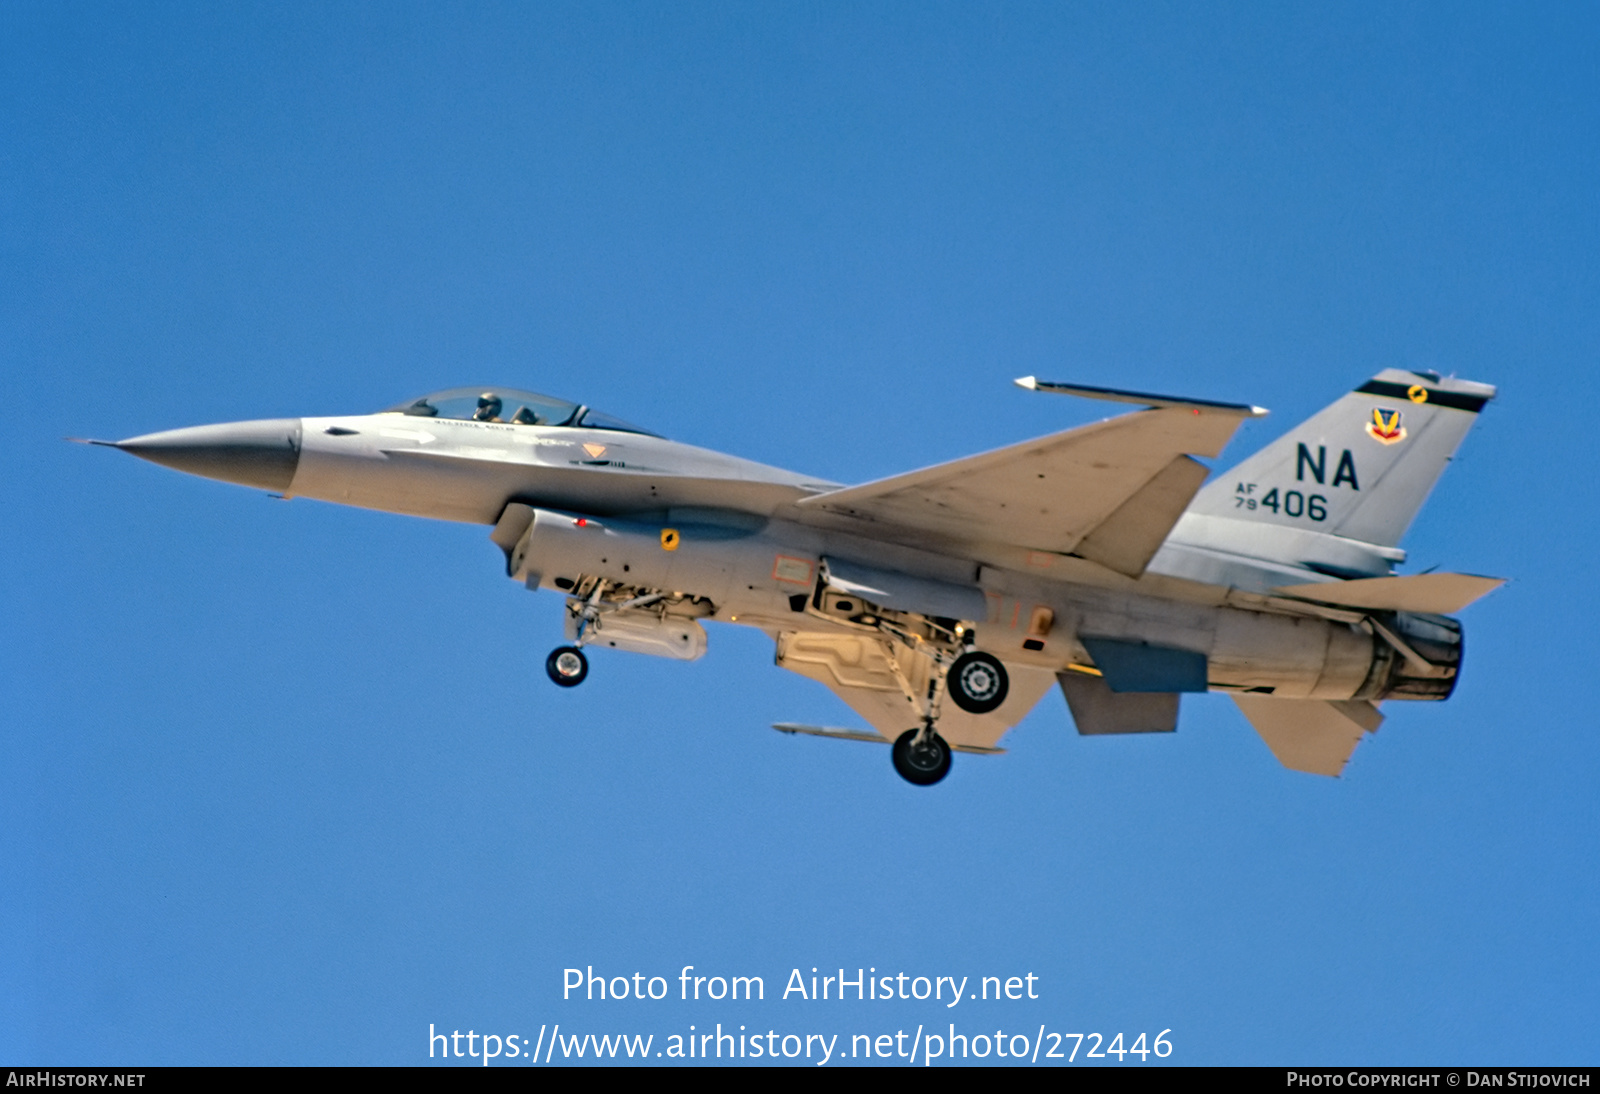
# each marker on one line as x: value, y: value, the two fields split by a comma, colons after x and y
x: 1110, y: 491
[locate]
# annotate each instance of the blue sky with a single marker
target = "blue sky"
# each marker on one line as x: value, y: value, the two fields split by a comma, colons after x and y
x: 284, y: 783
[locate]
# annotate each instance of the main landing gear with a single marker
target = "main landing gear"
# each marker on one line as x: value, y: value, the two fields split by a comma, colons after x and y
x: 977, y: 683
x: 921, y: 756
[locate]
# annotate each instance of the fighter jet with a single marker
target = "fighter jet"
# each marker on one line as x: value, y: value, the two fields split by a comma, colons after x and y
x: 942, y: 604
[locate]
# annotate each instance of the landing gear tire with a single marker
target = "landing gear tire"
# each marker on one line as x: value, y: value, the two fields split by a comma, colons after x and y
x: 978, y: 682
x: 921, y: 764
x: 567, y: 666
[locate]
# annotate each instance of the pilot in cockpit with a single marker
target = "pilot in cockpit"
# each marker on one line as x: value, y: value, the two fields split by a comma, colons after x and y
x: 488, y: 408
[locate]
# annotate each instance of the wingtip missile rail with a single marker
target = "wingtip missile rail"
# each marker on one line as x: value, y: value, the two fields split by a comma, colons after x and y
x: 1140, y: 398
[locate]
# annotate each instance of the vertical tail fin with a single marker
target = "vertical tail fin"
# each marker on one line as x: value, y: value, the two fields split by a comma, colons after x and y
x: 1359, y: 470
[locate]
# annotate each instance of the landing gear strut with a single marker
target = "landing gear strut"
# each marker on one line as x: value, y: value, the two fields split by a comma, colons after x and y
x: 921, y: 756
x: 976, y: 682
x: 567, y: 666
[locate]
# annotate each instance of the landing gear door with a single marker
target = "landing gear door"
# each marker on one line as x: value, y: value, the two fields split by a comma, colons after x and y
x: 856, y: 668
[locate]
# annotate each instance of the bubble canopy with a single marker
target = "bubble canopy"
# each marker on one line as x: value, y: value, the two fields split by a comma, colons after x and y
x: 511, y: 406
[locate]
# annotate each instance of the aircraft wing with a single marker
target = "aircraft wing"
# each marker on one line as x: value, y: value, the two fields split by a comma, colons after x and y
x: 858, y: 670
x: 1109, y: 492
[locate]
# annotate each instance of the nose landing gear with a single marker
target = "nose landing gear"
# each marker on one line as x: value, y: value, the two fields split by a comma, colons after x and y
x: 567, y: 666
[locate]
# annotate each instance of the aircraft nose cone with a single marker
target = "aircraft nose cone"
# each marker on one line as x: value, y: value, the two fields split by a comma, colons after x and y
x: 264, y: 454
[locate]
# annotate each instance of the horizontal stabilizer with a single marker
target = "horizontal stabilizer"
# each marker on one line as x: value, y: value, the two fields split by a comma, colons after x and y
x: 1097, y: 710
x: 1433, y: 594
x: 837, y: 734
x: 1312, y: 735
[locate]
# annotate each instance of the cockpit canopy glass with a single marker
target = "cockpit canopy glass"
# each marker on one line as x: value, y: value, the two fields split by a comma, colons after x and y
x: 508, y: 405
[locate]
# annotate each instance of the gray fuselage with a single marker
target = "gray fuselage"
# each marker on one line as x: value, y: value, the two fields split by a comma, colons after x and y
x: 747, y: 552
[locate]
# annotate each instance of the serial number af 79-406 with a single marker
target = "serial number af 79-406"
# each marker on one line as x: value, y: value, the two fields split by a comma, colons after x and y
x: 1291, y: 503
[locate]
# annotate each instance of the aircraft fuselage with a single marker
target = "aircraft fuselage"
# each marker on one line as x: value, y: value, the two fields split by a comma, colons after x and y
x: 1098, y: 558
x: 745, y: 554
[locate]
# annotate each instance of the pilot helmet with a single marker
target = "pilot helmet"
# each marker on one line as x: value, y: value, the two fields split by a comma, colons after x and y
x: 488, y: 406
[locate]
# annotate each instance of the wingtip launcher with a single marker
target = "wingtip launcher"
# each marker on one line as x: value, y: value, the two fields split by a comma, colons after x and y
x: 1141, y: 398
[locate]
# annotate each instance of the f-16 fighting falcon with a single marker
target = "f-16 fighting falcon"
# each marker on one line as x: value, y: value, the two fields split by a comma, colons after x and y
x: 942, y: 604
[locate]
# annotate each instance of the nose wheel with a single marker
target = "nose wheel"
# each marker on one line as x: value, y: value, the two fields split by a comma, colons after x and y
x: 921, y: 756
x: 567, y: 666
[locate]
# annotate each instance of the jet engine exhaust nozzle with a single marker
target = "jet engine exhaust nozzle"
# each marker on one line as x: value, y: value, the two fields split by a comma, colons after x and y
x: 264, y: 454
